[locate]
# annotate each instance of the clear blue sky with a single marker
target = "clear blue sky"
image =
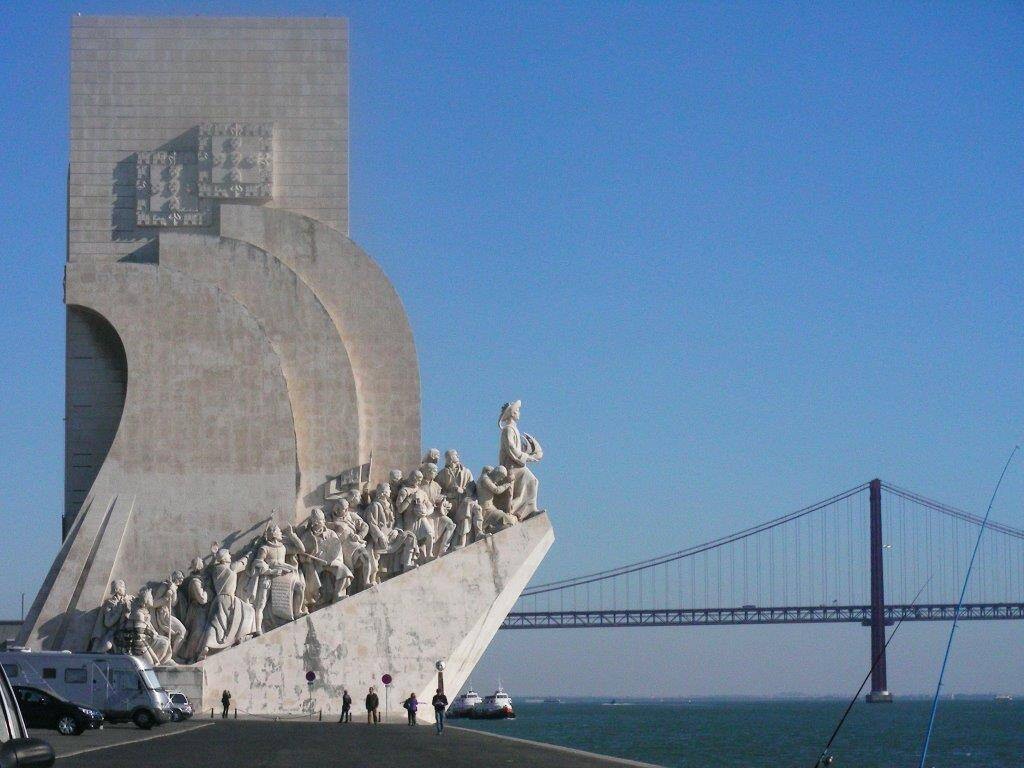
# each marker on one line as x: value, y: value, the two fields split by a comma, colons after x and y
x: 733, y: 258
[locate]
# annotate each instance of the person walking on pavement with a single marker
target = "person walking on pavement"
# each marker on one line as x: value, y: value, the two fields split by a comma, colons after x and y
x: 372, y: 704
x: 225, y: 700
x: 440, y: 702
x: 411, y: 705
x: 346, y: 707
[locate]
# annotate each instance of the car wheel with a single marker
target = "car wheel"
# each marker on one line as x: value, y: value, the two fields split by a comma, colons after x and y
x: 68, y: 726
x: 175, y: 716
x: 144, y: 719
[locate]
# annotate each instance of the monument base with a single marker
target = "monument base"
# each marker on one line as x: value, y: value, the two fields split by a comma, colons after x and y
x: 879, y: 697
x: 446, y: 610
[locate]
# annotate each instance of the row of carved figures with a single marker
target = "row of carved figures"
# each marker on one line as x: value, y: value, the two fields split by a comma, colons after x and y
x: 285, y: 573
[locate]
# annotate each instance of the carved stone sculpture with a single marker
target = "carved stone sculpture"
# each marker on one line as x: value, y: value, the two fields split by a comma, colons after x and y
x: 455, y: 478
x: 441, y: 525
x: 404, y: 502
x: 395, y: 482
x: 112, y: 614
x: 429, y: 483
x: 354, y: 532
x: 280, y: 588
x: 432, y: 456
x: 146, y: 641
x: 456, y: 483
x: 517, y: 449
x: 492, y: 484
x: 197, y: 600
x: 231, y: 619
x: 392, y: 546
x: 323, y: 561
x: 163, y: 601
x: 444, y: 526
x: 468, y: 518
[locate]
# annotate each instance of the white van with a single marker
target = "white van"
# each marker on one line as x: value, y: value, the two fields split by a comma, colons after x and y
x: 120, y: 686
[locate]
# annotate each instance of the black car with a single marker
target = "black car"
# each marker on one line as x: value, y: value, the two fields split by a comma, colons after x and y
x: 44, y: 710
x: 16, y: 748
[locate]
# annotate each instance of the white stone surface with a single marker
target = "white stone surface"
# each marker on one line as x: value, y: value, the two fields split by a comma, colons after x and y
x: 447, y: 610
x: 314, y: 361
x: 368, y: 314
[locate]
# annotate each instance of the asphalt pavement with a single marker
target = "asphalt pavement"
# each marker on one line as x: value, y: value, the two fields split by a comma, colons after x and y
x: 267, y: 744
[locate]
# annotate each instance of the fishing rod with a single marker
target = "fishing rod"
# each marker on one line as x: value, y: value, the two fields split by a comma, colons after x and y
x: 825, y: 758
x: 959, y: 605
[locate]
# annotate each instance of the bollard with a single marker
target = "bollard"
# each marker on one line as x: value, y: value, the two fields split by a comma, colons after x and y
x: 211, y: 713
x: 321, y: 718
x: 236, y: 713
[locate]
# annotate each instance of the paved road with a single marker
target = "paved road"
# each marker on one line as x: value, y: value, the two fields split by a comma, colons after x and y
x: 259, y: 744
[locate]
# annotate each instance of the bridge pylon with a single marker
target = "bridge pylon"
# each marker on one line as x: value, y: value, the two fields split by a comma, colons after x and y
x: 879, y: 686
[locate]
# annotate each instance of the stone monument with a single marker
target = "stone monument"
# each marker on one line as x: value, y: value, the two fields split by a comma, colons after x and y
x: 237, y: 368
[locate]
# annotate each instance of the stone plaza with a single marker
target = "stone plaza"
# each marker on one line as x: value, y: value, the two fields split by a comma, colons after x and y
x: 248, y: 505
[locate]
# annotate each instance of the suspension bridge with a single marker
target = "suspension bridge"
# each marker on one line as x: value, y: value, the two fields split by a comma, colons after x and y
x: 873, y: 555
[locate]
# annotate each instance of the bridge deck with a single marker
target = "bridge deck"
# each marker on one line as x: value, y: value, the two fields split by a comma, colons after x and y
x: 813, y: 614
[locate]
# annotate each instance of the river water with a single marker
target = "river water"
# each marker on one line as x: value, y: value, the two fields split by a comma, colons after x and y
x: 777, y: 733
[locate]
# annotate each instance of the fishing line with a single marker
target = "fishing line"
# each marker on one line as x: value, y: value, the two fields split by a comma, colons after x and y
x: 959, y: 605
x: 824, y: 758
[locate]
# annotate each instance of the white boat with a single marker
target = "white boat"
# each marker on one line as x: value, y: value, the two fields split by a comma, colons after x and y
x: 462, y: 705
x: 497, y: 706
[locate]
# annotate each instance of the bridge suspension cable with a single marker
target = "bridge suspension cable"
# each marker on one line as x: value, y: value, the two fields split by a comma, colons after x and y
x: 690, y: 551
x: 813, y: 564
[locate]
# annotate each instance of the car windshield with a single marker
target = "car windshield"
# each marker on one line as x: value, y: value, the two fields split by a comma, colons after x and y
x: 178, y: 698
x: 151, y: 680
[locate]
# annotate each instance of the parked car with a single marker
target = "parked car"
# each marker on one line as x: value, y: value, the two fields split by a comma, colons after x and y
x: 16, y: 748
x: 181, y: 709
x: 44, y: 710
x: 122, y: 687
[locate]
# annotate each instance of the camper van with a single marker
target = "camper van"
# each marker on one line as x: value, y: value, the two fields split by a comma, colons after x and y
x: 122, y: 687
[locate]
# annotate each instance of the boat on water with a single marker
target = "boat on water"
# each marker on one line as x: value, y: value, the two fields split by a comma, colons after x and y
x: 497, y: 706
x: 462, y: 705
x: 1004, y: 697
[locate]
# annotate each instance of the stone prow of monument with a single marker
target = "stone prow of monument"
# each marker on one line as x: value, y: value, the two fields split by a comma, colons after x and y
x: 230, y: 349
x: 446, y: 610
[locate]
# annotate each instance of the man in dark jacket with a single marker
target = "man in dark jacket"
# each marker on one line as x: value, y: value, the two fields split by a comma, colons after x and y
x: 440, y: 702
x: 225, y: 700
x: 346, y: 707
x: 372, y: 704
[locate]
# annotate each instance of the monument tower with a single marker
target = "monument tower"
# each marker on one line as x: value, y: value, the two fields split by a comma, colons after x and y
x: 231, y: 352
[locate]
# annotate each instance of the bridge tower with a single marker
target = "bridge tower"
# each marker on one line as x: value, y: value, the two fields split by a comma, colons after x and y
x: 879, y: 686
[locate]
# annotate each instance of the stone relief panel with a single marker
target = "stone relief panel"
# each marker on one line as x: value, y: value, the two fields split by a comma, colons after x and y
x: 167, y: 191
x: 236, y: 160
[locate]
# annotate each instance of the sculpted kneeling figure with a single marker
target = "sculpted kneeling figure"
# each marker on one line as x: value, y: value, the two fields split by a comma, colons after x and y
x: 493, y: 483
x: 112, y: 616
x: 231, y: 619
x: 145, y: 641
